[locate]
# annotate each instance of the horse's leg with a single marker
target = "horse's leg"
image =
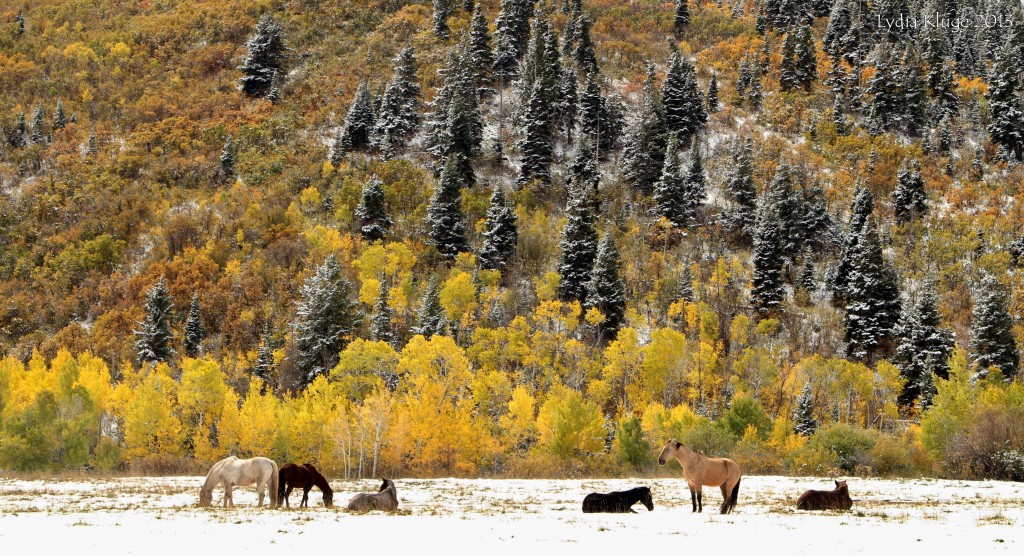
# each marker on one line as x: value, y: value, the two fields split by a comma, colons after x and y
x: 228, y: 499
x: 725, y: 498
x: 287, y: 493
x: 693, y: 498
x: 700, y: 501
x: 305, y: 496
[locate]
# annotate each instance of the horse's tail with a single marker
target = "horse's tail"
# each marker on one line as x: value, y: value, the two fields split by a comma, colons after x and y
x: 733, y: 497
x: 275, y: 484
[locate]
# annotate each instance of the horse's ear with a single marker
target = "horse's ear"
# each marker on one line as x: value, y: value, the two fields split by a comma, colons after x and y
x: 677, y: 443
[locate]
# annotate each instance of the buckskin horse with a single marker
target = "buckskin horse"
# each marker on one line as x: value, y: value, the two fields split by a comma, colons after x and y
x: 700, y: 471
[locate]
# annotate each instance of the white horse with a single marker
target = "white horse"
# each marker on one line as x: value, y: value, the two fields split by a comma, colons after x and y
x: 231, y: 472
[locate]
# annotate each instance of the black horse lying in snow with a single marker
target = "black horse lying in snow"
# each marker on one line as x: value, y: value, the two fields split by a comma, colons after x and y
x: 617, y: 502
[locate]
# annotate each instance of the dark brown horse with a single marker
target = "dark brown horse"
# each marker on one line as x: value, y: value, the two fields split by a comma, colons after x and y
x: 617, y: 502
x: 838, y: 499
x: 306, y: 477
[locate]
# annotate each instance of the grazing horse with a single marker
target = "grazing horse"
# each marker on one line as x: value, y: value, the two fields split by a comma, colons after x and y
x: 838, y: 499
x: 303, y: 476
x: 700, y: 471
x: 386, y: 499
x: 231, y: 472
x: 618, y: 502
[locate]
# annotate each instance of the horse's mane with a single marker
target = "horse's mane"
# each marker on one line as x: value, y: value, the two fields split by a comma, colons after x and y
x: 214, y: 475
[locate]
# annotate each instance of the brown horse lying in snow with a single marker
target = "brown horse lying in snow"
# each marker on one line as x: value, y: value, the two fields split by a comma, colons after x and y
x: 838, y: 499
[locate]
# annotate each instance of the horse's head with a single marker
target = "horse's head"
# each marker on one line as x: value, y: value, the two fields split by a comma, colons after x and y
x: 329, y: 498
x: 668, y: 451
x: 840, y: 485
x: 645, y: 498
x: 205, y: 497
x: 384, y: 485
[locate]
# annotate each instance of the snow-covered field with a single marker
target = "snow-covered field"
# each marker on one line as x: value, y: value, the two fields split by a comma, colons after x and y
x: 453, y: 516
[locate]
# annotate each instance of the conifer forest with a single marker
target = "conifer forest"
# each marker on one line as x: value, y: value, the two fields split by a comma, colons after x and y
x: 512, y: 238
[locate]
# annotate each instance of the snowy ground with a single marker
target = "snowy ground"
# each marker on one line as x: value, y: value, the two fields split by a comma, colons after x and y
x: 159, y: 516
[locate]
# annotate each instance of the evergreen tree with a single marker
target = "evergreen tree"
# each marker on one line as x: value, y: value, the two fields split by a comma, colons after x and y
x: 740, y: 187
x: 1005, y: 102
x: 193, y: 329
x: 642, y: 154
x: 357, y: 132
x: 597, y: 120
x: 227, y: 157
x: 325, y: 319
x: 748, y: 81
x: 912, y: 98
x: 993, y: 343
x: 399, y: 113
x: 19, y: 19
x: 695, y: 190
x: 669, y: 191
x: 712, y: 97
x: 263, y: 368
x: 380, y: 322
x: 803, y: 416
x: 445, y: 220
x: 908, y: 199
x: 924, y: 347
x: 583, y: 54
x: 456, y: 125
x: 681, y: 18
x: 480, y: 49
x: 684, y: 288
x: 60, y: 121
x: 154, y: 335
x: 18, y: 137
x: 500, y: 233
x: 606, y: 291
x: 884, y: 93
x: 583, y: 171
x: 789, y: 211
x: 265, y: 58
x: 861, y: 208
x: 442, y: 11
x: 767, y: 291
x: 337, y: 152
x: 372, y: 211
x: 536, y: 141
x: 92, y: 149
x: 683, y: 102
x: 430, y: 319
x: 578, y: 247
x: 845, y: 36
x: 37, y: 125
x: 511, y: 32
x: 799, y: 66
x: 873, y: 300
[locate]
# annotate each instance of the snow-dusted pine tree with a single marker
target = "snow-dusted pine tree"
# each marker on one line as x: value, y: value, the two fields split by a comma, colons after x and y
x: 993, y: 343
x: 265, y: 58
x: 578, y: 247
x: 325, y: 319
x: 154, y: 335
x: 606, y: 291
x: 500, y: 233
x: 924, y: 347
x: 445, y: 221
x: 372, y: 211
x: 194, y: 332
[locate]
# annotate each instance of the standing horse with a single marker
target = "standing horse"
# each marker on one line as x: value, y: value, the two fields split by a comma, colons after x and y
x: 231, y: 472
x: 838, y: 499
x: 700, y: 471
x: 617, y: 502
x: 303, y: 476
x: 386, y: 499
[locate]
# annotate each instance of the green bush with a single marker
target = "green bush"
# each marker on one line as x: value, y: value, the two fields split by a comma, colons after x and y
x: 630, y: 446
x: 890, y: 456
x: 711, y: 439
x: 851, y: 445
x: 743, y: 412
